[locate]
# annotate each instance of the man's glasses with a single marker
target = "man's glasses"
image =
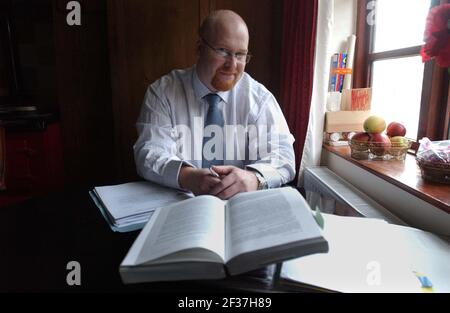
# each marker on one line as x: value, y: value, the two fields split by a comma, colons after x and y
x: 224, y: 53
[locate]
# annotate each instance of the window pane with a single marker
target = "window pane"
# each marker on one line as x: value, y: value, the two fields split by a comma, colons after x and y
x: 397, y: 91
x: 399, y: 23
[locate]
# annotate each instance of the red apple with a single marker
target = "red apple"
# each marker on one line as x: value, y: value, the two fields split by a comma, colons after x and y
x: 362, y: 136
x: 379, y: 144
x: 359, y: 144
x: 395, y: 129
x: 379, y: 138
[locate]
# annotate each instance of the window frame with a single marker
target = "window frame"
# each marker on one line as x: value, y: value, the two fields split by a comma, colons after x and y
x: 434, y: 105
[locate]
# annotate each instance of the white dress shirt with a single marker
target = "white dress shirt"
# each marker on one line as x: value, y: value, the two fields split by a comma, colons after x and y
x: 170, y: 128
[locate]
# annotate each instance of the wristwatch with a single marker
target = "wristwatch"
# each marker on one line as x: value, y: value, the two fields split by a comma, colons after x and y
x: 262, y: 183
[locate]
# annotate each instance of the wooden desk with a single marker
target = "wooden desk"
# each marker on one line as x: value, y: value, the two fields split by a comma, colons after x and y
x: 40, y: 236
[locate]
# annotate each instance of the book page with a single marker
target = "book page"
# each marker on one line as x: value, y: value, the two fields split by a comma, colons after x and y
x: 190, y: 224
x: 365, y: 255
x: 429, y: 255
x: 262, y: 219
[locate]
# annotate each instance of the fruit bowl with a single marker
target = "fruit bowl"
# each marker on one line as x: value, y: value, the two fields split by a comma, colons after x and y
x: 364, y: 150
x: 359, y: 149
x: 398, y: 150
x: 379, y: 150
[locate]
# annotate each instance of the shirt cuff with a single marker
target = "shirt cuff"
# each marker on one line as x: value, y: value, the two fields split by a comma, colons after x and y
x: 272, y: 177
x: 171, y: 173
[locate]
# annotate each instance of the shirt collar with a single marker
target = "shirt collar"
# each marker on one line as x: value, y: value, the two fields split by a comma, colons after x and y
x: 201, y: 90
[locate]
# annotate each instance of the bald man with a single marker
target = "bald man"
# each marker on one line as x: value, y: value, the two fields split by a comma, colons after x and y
x: 212, y: 129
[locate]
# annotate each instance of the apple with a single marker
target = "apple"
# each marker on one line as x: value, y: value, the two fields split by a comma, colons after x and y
x: 359, y: 144
x: 374, y: 124
x: 361, y: 137
x: 379, y: 144
x: 395, y: 129
x: 399, y: 147
x: 379, y: 138
x: 399, y: 141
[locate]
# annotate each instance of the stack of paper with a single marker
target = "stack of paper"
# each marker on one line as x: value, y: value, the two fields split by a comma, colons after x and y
x: 129, y: 206
x: 369, y: 255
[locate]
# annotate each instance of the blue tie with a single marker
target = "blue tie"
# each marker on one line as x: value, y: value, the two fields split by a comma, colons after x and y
x: 214, y: 117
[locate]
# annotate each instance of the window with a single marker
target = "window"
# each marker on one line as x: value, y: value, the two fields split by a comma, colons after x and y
x: 390, y: 36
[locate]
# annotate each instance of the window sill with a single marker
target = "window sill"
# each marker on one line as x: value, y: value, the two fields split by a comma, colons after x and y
x: 405, y: 175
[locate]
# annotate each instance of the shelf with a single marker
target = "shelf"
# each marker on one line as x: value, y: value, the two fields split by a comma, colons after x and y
x: 403, y: 174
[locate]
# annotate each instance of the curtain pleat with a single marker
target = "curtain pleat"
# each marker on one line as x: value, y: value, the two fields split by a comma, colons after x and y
x: 297, y: 63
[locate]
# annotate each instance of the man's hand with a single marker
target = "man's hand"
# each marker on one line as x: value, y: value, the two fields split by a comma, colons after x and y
x: 233, y: 181
x: 198, y: 180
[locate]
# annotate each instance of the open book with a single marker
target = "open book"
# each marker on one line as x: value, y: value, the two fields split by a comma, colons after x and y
x: 205, y: 237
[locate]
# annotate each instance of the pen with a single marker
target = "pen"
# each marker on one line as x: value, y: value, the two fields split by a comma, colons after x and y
x: 213, y: 173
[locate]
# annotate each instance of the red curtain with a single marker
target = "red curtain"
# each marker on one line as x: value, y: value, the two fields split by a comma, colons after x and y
x: 297, y: 64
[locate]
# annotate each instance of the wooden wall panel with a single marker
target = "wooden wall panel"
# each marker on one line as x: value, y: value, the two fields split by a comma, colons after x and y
x: 84, y: 93
x: 148, y: 38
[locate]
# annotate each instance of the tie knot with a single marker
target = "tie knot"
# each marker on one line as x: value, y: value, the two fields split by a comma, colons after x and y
x: 213, y: 99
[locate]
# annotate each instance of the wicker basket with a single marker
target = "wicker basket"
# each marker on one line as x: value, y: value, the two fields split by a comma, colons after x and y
x: 435, y: 172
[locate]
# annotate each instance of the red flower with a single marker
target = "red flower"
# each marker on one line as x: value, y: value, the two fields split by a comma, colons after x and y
x: 437, y: 36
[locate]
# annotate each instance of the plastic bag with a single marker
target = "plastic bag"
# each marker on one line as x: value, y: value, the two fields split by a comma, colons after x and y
x: 434, y: 151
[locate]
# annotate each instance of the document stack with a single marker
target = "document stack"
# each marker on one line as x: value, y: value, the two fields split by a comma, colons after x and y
x: 128, y: 207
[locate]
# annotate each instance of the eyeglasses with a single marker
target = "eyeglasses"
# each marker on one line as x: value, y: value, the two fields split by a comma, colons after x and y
x: 225, y: 53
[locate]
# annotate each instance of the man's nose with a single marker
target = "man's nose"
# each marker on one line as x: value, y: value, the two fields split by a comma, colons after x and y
x: 231, y: 62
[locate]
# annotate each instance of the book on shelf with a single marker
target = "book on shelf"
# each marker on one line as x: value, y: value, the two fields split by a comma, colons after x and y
x: 207, y: 238
x: 127, y: 207
x: 338, y: 64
